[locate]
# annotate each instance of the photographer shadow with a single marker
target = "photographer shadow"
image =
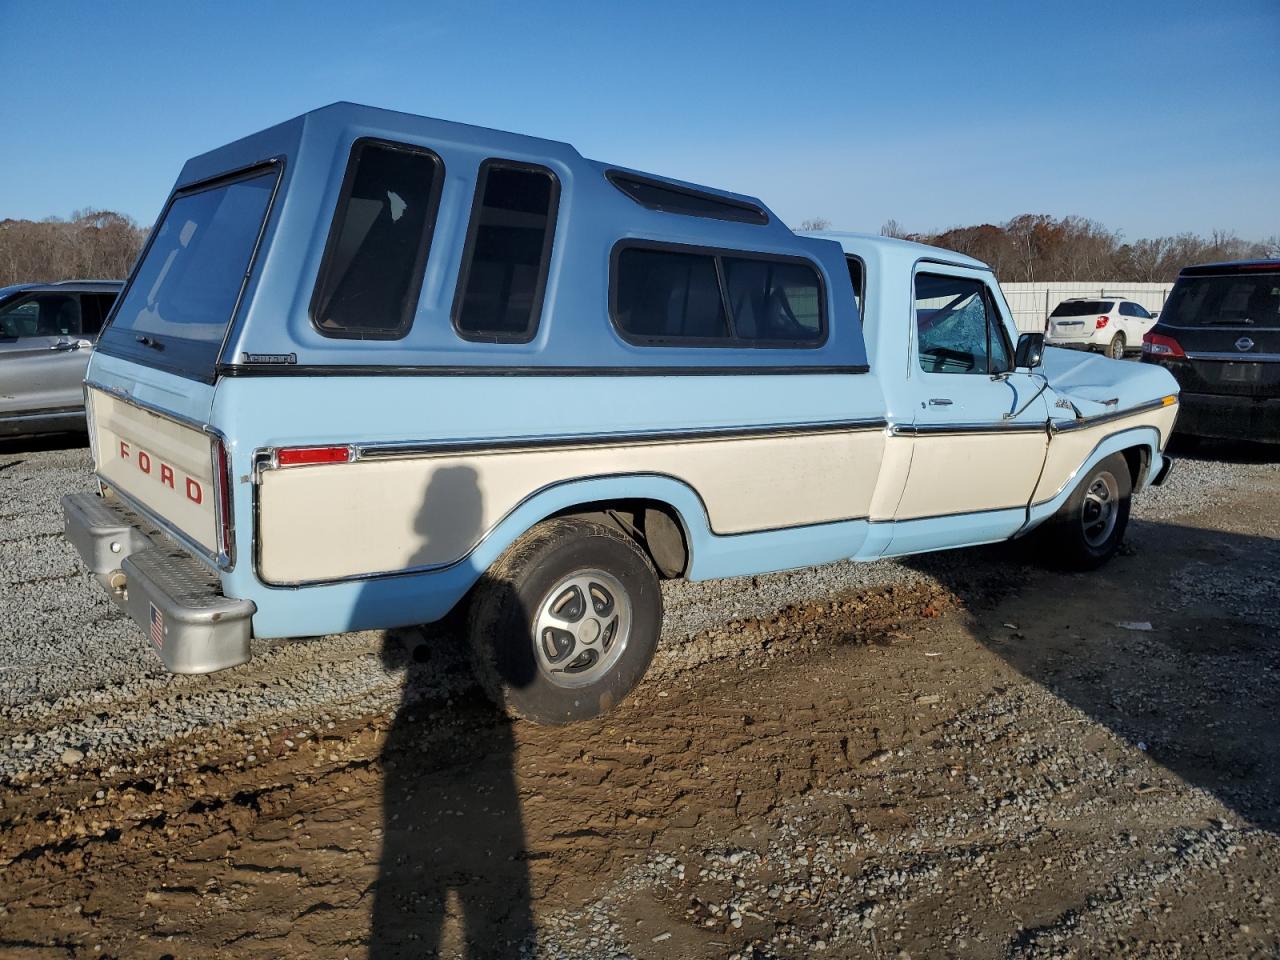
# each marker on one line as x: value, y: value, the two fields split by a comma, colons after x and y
x: 453, y: 877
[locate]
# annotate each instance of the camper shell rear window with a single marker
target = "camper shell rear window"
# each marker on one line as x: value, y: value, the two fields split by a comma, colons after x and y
x: 187, y: 286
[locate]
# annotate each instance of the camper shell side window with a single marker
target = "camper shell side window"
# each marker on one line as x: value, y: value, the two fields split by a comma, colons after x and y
x: 666, y: 294
x: 507, y: 254
x: 371, y: 273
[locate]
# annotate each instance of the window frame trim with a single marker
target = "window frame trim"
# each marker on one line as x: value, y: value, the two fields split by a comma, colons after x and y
x: 753, y: 214
x: 418, y: 273
x: 717, y: 254
x: 468, y: 249
x: 993, y: 313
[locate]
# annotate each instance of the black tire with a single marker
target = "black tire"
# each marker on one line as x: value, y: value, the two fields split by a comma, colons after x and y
x: 1115, y: 349
x: 506, y: 604
x: 1068, y: 541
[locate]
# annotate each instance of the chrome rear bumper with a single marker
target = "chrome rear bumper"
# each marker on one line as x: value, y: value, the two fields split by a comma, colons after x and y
x: 175, y: 599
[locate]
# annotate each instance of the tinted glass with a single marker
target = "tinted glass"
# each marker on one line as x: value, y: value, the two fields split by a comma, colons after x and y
x: 504, y: 270
x: 189, y: 282
x: 665, y: 295
x: 1247, y: 301
x: 1081, y: 308
x: 1126, y: 310
x: 41, y: 315
x: 857, y: 279
x: 692, y: 203
x: 94, y: 309
x: 377, y: 249
x: 773, y: 300
x: 956, y: 329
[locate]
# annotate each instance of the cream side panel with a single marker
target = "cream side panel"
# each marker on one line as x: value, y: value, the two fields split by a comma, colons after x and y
x: 894, y: 471
x: 1068, y: 451
x: 373, y: 516
x: 965, y: 473
x: 165, y: 466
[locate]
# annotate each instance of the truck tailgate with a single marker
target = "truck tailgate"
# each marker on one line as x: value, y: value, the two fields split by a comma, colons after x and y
x: 163, y: 465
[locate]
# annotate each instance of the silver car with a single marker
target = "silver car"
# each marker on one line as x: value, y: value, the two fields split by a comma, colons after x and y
x: 47, y: 331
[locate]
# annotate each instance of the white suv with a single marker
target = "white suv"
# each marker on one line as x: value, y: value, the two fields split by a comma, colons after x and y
x: 1110, y: 324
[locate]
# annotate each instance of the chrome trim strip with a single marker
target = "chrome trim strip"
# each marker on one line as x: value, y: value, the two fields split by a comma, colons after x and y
x: 1066, y: 426
x: 396, y: 448
x: 965, y: 429
x: 943, y: 516
x: 1238, y: 357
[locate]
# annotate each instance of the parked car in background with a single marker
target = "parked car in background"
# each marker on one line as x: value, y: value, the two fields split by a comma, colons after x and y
x: 1112, y: 325
x: 1219, y: 335
x: 47, y: 331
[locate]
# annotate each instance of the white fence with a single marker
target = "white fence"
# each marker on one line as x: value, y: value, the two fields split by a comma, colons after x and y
x: 1032, y: 303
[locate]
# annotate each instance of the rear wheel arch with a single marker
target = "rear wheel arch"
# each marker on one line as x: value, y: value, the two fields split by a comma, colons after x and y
x: 655, y: 525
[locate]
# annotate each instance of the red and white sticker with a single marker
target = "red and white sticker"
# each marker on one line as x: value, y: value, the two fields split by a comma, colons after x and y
x: 157, y: 627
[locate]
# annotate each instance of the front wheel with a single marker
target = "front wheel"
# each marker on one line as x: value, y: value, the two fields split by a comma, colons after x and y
x: 1115, y: 349
x: 565, y: 623
x: 1087, y: 531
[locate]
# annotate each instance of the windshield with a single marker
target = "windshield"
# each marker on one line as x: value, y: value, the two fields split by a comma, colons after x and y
x: 182, y: 297
x: 1081, y: 308
x: 1238, y: 300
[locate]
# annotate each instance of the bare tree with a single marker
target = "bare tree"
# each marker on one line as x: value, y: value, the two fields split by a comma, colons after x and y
x: 892, y: 228
x: 92, y: 244
x: 813, y: 224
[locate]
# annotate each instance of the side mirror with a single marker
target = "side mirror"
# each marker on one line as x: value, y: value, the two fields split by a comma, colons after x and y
x: 1030, y: 352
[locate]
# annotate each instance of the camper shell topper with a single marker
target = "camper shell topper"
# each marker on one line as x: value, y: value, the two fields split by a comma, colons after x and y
x: 371, y: 366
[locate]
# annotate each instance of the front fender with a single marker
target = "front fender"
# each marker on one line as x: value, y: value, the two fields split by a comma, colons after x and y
x: 1145, y: 437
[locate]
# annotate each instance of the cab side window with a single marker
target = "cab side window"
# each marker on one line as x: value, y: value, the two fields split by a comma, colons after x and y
x: 958, y: 329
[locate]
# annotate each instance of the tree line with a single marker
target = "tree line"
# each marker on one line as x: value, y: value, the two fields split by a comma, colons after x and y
x: 89, y: 245
x: 102, y: 244
x: 1037, y: 247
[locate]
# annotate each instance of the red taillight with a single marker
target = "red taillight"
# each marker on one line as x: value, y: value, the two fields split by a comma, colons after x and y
x: 222, y: 483
x: 1102, y: 322
x: 299, y: 456
x: 1157, y: 345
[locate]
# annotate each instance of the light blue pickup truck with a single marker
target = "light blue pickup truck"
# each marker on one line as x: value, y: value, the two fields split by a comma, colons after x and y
x: 371, y: 365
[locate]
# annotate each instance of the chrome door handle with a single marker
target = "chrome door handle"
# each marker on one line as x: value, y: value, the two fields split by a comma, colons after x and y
x: 63, y: 345
x: 939, y: 402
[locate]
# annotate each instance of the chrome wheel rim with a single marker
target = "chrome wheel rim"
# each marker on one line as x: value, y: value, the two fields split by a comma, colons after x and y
x: 1100, y: 508
x: 581, y: 627
x: 1116, y: 349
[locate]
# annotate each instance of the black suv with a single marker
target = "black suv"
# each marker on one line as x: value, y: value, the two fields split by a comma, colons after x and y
x: 1219, y: 334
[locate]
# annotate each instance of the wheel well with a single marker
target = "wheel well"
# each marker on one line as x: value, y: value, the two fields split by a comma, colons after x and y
x: 654, y: 525
x: 1138, y: 458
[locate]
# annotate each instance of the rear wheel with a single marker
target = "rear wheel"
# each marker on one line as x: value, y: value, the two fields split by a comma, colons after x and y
x: 565, y: 623
x: 1087, y: 531
x: 1115, y: 349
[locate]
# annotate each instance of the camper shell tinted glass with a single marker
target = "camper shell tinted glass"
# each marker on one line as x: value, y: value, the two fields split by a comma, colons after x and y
x: 508, y: 251
x: 675, y: 295
x: 175, y: 312
x: 371, y: 274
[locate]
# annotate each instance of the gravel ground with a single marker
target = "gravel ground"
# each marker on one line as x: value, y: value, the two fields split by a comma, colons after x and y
x: 76, y: 675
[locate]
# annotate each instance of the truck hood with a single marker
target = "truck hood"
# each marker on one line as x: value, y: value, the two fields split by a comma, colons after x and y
x: 1098, y: 385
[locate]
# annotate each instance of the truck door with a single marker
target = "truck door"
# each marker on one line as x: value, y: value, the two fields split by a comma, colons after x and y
x: 980, y: 430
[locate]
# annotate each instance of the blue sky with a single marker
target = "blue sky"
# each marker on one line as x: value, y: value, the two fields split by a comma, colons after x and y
x: 1150, y: 117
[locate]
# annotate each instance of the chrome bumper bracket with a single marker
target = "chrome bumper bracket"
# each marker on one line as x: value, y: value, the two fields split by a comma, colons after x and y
x: 176, y: 600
